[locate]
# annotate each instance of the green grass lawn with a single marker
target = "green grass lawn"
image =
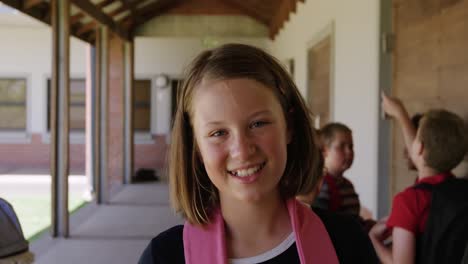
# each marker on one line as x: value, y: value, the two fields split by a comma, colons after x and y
x: 34, y: 212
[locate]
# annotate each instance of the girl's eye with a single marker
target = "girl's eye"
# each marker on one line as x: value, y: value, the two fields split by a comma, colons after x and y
x: 258, y: 124
x: 218, y: 133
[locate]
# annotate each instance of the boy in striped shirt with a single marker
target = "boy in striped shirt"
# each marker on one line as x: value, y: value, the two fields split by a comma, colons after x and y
x: 337, y: 193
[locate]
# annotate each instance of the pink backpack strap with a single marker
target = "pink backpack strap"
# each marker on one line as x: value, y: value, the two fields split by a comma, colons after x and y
x: 312, y: 240
x: 205, y: 244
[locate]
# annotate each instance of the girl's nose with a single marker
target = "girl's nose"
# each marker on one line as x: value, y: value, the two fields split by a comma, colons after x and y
x: 242, y: 148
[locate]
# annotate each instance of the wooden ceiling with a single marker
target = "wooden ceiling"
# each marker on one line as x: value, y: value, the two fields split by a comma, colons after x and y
x: 123, y: 16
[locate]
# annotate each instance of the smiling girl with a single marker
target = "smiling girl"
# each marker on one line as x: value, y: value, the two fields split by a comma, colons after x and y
x: 242, y: 148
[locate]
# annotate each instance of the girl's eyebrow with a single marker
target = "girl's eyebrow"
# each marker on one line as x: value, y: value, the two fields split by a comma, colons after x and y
x: 261, y: 112
x: 254, y: 114
x: 214, y: 123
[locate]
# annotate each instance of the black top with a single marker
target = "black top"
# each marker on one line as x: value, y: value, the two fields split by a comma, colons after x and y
x: 351, y: 243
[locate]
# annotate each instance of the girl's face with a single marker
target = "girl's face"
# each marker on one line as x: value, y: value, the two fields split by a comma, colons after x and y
x: 242, y: 136
x: 339, y: 155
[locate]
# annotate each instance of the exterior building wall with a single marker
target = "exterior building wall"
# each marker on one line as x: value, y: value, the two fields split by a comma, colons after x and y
x: 34, y: 155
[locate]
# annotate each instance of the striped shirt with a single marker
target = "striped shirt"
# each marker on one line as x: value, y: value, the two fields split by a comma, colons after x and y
x: 337, y: 194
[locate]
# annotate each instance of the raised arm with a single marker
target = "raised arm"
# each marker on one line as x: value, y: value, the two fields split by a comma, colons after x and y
x: 395, y: 109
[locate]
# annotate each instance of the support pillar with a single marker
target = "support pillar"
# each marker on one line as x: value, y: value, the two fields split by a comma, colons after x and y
x: 128, y: 112
x: 60, y: 108
x: 92, y: 154
x: 102, y: 83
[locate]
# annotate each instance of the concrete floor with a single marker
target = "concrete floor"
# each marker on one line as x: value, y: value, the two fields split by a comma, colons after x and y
x: 113, y: 233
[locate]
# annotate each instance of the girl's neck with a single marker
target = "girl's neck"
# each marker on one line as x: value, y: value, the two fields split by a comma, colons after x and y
x: 254, y: 227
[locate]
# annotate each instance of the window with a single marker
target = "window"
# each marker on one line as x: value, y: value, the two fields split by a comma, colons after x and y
x: 142, y: 106
x: 12, y: 104
x: 77, y: 105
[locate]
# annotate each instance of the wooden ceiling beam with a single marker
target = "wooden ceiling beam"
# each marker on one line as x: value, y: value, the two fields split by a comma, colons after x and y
x: 247, y: 9
x: 84, y: 36
x: 294, y: 6
x: 86, y: 28
x: 104, y: 3
x: 117, y: 11
x: 281, y: 16
x: 27, y: 4
x: 38, y: 14
x: 132, y: 7
x: 152, y: 10
x: 97, y: 14
x: 78, y: 16
x: 129, y: 5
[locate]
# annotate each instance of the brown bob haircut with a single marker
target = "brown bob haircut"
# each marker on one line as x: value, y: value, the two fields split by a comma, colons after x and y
x: 192, y: 193
x: 444, y: 135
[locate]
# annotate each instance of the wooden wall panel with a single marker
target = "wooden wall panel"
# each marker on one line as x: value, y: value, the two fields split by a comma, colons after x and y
x: 319, y: 59
x: 430, y: 67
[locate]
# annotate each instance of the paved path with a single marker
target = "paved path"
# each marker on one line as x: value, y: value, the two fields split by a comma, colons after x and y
x: 113, y: 233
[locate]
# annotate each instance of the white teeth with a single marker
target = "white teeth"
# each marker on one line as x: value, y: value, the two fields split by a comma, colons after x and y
x: 247, y: 172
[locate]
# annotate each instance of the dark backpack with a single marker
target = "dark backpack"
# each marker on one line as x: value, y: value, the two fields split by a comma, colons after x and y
x: 446, y: 235
x: 145, y: 175
x: 11, y: 236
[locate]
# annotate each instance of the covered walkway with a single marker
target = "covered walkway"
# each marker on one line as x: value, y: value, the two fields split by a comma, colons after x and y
x: 116, y: 232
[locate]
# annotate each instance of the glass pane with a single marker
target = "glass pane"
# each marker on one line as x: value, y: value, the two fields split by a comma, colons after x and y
x: 142, y: 90
x: 77, y: 118
x: 12, y: 90
x: 77, y: 104
x: 141, y: 121
x: 142, y: 105
x: 13, y: 117
x: 77, y: 91
x: 13, y: 104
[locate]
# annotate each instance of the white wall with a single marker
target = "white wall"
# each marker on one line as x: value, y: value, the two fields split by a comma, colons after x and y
x: 26, y: 51
x: 170, y: 56
x: 355, y: 77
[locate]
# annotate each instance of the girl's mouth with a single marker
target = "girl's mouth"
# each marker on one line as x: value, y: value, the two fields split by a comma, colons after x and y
x: 248, y: 171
